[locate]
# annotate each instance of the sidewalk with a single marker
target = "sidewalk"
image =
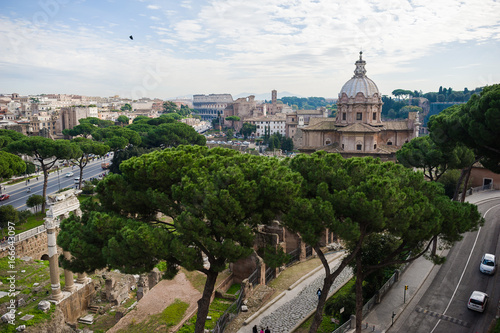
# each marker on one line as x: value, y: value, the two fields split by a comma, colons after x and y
x: 289, y: 309
x: 418, y: 275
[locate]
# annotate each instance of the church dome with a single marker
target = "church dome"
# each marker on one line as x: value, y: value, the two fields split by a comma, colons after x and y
x: 359, y: 82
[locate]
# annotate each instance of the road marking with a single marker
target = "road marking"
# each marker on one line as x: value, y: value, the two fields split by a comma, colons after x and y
x: 466, y: 265
x: 442, y: 317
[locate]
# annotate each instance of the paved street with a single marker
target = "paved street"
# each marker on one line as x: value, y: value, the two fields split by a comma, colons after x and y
x: 18, y: 192
x: 297, y: 304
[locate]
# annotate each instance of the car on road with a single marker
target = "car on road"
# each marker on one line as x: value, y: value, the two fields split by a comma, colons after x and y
x: 488, y: 264
x: 477, y: 301
x: 77, y: 180
x: 69, y: 174
x: 4, y: 197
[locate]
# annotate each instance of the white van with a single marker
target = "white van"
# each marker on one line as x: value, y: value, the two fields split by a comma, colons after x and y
x: 477, y: 301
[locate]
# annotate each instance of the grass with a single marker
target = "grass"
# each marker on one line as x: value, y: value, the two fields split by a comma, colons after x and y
x: 217, y: 309
x: 497, y: 327
x: 27, y: 274
x: 234, y: 289
x: 33, y: 221
x: 169, y: 317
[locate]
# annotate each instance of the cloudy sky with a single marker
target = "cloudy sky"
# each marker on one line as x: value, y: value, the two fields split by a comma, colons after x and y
x: 186, y: 47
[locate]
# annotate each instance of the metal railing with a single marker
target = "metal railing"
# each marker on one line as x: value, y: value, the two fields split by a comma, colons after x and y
x: 25, y: 235
x: 254, y: 277
x: 309, y: 251
x: 372, y: 301
x: 487, y: 187
x: 294, y: 257
x: 270, y: 274
x: 232, y: 311
x: 343, y: 328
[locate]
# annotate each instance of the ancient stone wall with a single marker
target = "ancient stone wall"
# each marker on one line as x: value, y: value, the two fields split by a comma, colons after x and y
x: 34, y: 247
x: 77, y: 303
x: 243, y: 268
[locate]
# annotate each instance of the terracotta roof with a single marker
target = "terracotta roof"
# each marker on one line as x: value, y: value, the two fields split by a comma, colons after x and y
x: 385, y: 149
x: 395, y: 125
x: 321, y: 124
x: 359, y: 127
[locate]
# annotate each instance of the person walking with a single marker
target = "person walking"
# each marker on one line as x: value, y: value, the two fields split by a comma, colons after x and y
x: 267, y: 330
x: 318, y: 293
x: 262, y: 330
x: 254, y: 329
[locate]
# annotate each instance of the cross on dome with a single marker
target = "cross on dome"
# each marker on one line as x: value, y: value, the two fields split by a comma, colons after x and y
x: 360, y: 70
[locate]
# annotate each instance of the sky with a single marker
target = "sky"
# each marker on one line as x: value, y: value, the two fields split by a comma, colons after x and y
x: 186, y: 47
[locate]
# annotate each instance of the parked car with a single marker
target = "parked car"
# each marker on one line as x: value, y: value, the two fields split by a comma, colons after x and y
x: 488, y: 264
x: 477, y: 301
x: 69, y: 174
x: 4, y: 197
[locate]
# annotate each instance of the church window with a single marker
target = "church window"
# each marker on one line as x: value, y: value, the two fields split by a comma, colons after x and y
x: 374, y: 116
x: 344, y: 115
x: 358, y: 147
x: 359, y: 116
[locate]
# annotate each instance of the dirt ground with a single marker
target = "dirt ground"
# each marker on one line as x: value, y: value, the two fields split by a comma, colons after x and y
x: 158, y: 298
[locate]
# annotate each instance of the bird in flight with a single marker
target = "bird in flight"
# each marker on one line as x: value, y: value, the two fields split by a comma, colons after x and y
x: 132, y: 38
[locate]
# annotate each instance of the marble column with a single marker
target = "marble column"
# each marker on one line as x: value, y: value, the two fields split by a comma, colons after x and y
x: 53, y: 262
x: 82, y: 278
x: 68, y: 276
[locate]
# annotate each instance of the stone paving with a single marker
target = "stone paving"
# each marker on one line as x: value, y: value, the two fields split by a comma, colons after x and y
x: 286, y: 317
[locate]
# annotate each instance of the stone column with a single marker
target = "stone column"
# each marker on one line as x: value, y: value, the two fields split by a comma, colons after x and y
x: 53, y: 262
x: 82, y: 278
x: 68, y: 276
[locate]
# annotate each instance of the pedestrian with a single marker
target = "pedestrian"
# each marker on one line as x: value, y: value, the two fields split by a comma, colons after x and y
x: 254, y: 329
x: 36, y: 178
x: 319, y: 293
x: 267, y: 330
x: 262, y: 330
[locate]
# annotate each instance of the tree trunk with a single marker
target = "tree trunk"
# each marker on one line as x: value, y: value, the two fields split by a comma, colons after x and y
x: 460, y: 180
x: 359, y: 293
x: 45, y: 181
x: 327, y: 284
x: 434, y: 246
x: 204, y: 301
x: 466, y: 183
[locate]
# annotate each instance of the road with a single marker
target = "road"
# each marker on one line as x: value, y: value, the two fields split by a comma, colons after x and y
x: 443, y: 306
x: 18, y: 192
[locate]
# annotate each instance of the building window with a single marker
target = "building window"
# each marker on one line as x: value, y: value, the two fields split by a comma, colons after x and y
x: 374, y: 116
x: 389, y: 143
x: 344, y: 116
x: 342, y: 146
x: 358, y: 147
x: 375, y: 146
x: 327, y: 142
x: 359, y: 116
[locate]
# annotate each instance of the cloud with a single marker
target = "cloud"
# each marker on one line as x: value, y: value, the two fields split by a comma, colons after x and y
x: 255, y: 45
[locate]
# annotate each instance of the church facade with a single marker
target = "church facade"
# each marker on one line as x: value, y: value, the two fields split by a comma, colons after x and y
x: 358, y: 129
